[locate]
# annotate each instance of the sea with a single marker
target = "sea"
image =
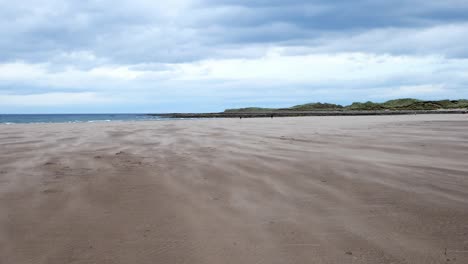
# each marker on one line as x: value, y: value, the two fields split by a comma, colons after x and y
x: 75, y: 118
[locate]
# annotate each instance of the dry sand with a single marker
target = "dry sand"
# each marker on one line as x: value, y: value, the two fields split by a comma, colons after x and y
x: 390, y: 189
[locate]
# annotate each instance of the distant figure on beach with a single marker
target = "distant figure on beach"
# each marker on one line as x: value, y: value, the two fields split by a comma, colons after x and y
x: 271, y: 116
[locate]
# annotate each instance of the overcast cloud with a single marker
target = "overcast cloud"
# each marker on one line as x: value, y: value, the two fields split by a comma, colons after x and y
x: 189, y: 55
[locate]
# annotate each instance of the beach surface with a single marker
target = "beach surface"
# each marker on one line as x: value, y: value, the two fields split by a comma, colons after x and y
x: 357, y: 189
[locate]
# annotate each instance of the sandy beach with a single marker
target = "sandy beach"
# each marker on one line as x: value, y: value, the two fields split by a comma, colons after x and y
x: 365, y: 189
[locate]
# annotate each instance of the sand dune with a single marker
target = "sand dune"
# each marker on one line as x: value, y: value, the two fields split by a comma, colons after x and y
x: 390, y: 189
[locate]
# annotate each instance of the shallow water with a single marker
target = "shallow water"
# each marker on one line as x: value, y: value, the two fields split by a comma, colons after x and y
x: 73, y: 118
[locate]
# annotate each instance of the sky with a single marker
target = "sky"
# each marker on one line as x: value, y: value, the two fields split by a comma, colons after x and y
x: 139, y: 56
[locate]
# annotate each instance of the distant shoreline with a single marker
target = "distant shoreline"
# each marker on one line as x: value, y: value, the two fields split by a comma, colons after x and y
x: 403, y: 106
x: 92, y: 118
x: 267, y: 114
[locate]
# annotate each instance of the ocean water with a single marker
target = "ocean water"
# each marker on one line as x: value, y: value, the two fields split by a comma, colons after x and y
x: 73, y: 118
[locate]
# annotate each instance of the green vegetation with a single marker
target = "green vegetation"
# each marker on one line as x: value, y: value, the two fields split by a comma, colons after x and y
x: 365, y: 106
x: 414, y: 104
x: 249, y: 110
x: 397, y: 104
x: 315, y: 106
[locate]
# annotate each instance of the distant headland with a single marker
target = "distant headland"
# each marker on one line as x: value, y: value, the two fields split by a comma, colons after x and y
x: 397, y: 104
x: 391, y: 107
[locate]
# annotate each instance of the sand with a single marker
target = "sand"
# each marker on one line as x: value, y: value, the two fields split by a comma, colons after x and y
x: 390, y: 189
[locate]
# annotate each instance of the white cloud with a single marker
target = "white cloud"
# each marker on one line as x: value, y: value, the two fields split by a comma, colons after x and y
x: 53, y: 99
x: 276, y: 77
x: 318, y: 68
x: 19, y: 71
x: 412, y: 91
x: 443, y: 40
x: 277, y: 66
x: 115, y: 73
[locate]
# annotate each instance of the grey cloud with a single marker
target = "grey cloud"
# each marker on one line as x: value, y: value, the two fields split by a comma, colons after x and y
x: 343, y: 15
x: 134, y: 32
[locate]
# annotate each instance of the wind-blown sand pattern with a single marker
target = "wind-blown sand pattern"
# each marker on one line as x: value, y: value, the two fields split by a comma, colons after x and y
x: 374, y: 189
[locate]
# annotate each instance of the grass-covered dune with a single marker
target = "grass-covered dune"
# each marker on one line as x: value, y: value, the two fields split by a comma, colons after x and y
x: 397, y: 104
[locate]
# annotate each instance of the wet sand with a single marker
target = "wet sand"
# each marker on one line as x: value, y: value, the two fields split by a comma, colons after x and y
x: 374, y: 189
